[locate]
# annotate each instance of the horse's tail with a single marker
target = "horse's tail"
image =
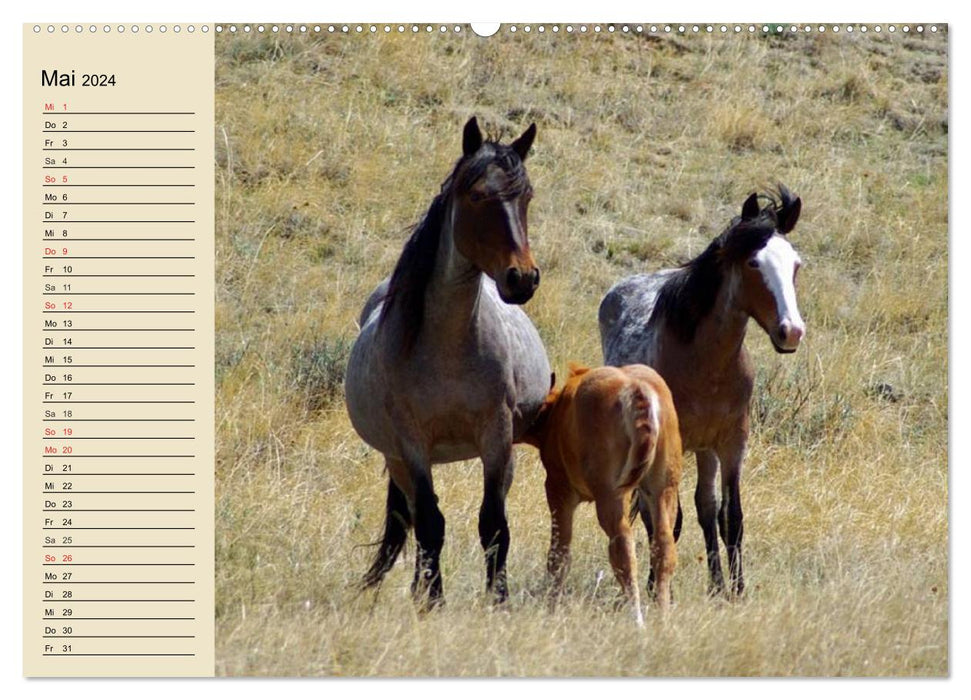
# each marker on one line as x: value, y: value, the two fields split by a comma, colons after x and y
x: 642, y: 422
x: 397, y: 522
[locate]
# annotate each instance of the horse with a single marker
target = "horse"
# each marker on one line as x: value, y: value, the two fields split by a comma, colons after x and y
x: 607, y: 432
x: 689, y: 324
x: 447, y: 366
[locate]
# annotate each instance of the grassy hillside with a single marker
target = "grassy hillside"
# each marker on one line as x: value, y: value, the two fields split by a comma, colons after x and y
x: 330, y: 147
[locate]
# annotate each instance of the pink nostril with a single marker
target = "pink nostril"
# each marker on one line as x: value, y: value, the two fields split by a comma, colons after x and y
x: 791, y: 334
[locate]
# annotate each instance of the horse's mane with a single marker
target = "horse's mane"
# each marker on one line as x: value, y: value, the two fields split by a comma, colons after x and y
x: 406, y: 290
x: 415, y: 266
x: 688, y: 296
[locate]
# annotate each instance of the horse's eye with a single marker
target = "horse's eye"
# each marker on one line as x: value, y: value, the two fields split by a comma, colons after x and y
x: 754, y: 264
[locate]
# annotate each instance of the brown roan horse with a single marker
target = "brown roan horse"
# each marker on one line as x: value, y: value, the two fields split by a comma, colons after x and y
x: 689, y: 324
x: 447, y: 366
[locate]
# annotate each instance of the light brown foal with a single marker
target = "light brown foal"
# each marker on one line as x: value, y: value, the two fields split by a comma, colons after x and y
x: 608, y: 431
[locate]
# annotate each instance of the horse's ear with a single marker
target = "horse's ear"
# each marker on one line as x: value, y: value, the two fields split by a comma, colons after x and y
x: 524, y: 142
x: 471, y: 137
x: 751, y: 207
x: 577, y: 369
x: 789, y: 215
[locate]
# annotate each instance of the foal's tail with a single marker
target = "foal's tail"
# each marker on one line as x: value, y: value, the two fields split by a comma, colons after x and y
x: 397, y: 522
x: 642, y: 421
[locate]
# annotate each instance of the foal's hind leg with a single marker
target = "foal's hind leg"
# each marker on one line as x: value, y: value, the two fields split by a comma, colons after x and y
x: 612, y: 513
x: 664, y: 554
x: 642, y: 503
x: 706, y: 503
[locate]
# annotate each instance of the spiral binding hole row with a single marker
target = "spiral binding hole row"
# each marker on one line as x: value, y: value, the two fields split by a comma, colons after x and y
x: 512, y: 29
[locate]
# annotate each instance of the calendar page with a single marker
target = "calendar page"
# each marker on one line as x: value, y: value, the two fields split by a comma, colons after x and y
x: 119, y: 296
x: 610, y: 349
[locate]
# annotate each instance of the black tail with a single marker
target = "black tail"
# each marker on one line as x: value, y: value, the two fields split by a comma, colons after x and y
x: 397, y: 522
x: 635, y: 506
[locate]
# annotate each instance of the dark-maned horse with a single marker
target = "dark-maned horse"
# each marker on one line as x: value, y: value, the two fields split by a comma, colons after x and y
x: 447, y: 366
x: 689, y: 324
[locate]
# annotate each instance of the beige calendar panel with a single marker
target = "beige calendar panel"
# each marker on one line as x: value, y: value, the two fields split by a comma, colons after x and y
x: 118, y: 348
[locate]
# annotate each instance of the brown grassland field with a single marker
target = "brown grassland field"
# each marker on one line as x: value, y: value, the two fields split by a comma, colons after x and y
x: 330, y: 147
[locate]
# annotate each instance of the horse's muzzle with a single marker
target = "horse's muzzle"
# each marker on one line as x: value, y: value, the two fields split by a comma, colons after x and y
x: 787, y: 337
x: 518, y: 287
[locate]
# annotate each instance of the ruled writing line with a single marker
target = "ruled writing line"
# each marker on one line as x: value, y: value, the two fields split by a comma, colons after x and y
x: 119, y: 311
x: 112, y: 654
x: 119, y: 167
x: 119, y: 420
x: 50, y: 222
x: 116, y: 149
x: 115, y: 204
x: 117, y: 618
x: 102, y: 401
x: 119, y: 546
x: 54, y: 240
x: 133, y: 275
x: 126, y: 113
x: 114, y: 330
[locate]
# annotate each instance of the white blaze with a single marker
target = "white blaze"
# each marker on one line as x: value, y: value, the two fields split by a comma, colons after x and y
x: 777, y: 262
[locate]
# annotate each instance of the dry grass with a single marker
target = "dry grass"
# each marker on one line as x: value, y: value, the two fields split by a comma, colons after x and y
x: 329, y: 148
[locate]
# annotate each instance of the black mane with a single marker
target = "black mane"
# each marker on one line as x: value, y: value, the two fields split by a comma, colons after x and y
x: 689, y: 295
x: 414, y: 269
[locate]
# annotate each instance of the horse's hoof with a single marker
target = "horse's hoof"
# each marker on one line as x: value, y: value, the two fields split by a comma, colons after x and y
x: 499, y: 589
x: 429, y: 602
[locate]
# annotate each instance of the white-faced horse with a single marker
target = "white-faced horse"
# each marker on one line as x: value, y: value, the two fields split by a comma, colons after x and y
x: 689, y: 324
x: 447, y: 366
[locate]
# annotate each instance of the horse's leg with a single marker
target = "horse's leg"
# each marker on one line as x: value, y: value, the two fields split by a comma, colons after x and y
x: 415, y: 480
x: 645, y: 512
x: 397, y: 522
x: 730, y: 516
x: 497, y: 463
x: 563, y: 503
x: 644, y: 508
x: 612, y: 513
x: 706, y: 503
x: 664, y: 553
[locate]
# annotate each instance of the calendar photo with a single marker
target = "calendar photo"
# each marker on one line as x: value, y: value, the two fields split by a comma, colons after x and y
x: 525, y: 350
